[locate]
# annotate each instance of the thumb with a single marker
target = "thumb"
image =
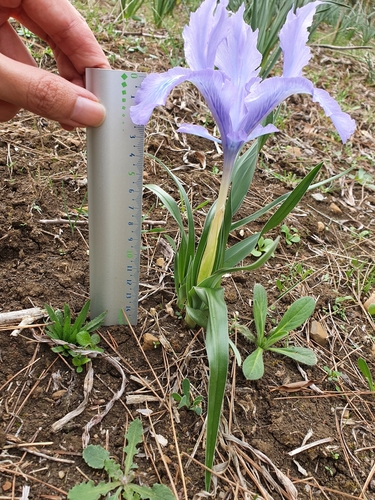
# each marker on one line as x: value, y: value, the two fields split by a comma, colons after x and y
x: 47, y: 95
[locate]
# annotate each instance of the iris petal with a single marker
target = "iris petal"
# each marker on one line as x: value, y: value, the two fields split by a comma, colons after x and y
x: 293, y: 38
x: 207, y: 29
x: 344, y: 124
x: 241, y: 41
x: 188, y: 128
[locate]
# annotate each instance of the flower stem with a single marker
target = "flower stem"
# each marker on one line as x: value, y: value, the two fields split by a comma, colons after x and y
x: 209, y: 255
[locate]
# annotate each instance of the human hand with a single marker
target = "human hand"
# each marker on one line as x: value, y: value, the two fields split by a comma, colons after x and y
x: 23, y: 85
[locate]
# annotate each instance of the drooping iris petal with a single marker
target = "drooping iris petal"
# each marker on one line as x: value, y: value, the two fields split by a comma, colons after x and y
x: 208, y: 27
x: 273, y: 91
x: 154, y: 91
x: 293, y: 38
x: 188, y: 128
x: 344, y: 124
x: 266, y: 96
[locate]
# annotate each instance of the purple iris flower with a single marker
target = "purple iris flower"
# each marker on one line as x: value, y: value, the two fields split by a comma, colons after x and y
x: 224, y: 64
x: 221, y: 51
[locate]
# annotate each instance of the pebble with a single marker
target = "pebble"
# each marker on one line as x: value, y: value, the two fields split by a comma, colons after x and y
x: 318, y: 333
x: 335, y: 208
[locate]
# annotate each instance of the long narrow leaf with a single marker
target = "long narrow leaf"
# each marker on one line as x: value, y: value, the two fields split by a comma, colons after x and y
x: 260, y: 309
x: 259, y: 213
x: 215, y: 278
x: 240, y: 250
x: 217, y: 347
x: 292, y: 200
x: 81, y: 318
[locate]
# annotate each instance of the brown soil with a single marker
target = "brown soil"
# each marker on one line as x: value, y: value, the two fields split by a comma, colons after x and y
x: 42, y: 177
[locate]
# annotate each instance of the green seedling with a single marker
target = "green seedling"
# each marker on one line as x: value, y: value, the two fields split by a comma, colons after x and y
x: 76, y: 334
x: 186, y: 400
x: 333, y: 375
x: 296, y: 315
x: 365, y: 370
x: 291, y: 235
x: 371, y: 310
x: 120, y: 481
x: 264, y: 244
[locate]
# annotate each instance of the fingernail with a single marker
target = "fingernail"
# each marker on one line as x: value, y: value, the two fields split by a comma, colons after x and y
x: 87, y: 112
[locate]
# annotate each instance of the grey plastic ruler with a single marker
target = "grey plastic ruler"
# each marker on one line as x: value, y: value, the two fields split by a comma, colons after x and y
x: 115, y: 154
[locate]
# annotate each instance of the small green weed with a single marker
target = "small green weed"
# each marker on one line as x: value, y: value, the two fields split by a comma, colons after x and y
x: 264, y: 244
x: 186, y: 400
x: 120, y: 480
x: 295, y: 316
x: 78, y: 334
x: 365, y: 370
x: 291, y: 234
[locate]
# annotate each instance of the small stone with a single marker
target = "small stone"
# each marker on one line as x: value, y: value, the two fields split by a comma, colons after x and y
x: 369, y: 302
x: 59, y: 394
x: 150, y: 342
x: 61, y: 474
x: 335, y: 208
x: 160, y: 262
x: 318, y: 333
x: 6, y: 486
x: 320, y: 227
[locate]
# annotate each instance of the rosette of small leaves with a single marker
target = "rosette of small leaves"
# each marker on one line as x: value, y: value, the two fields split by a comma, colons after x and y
x: 185, y: 398
x: 74, y: 337
x: 295, y: 316
x: 120, y: 481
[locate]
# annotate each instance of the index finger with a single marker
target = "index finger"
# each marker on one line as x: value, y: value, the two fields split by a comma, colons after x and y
x: 63, y: 28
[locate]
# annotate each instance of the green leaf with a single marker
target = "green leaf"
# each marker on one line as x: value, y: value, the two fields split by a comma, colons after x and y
x: 259, y: 213
x: 239, y: 251
x: 217, y: 348
x: 253, y: 366
x: 95, y: 323
x: 68, y: 335
x: 88, y: 491
x: 157, y: 492
x: 365, y: 370
x: 81, y: 318
x: 95, y: 456
x: 300, y: 354
x: 199, y: 316
x: 133, y: 436
x: 95, y: 339
x: 186, y: 387
x: 236, y: 352
x: 83, y: 338
x: 292, y: 200
x: 242, y: 176
x: 116, y: 495
x: 246, y: 332
x: 260, y: 310
x: 56, y: 327
x: 79, y: 360
x: 177, y: 397
x: 294, y: 317
x: 113, y: 469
